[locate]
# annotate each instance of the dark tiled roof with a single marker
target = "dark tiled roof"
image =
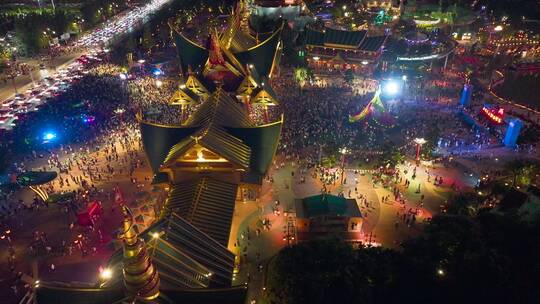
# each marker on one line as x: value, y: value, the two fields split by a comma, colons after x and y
x: 182, y: 252
x: 198, y: 245
x: 262, y: 55
x: 175, y: 268
x: 242, y: 41
x: 190, y: 54
x: 343, y: 38
x: 372, y: 44
x: 222, y: 110
x: 206, y: 203
x: 314, y: 37
x: 34, y: 178
x: 210, y: 119
x: 326, y: 205
x: 158, y: 140
x: 263, y: 142
x: 160, y: 178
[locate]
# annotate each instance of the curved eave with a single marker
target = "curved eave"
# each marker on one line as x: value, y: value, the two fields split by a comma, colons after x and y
x: 36, y: 178
x: 263, y: 141
x: 262, y: 55
x: 159, y: 139
x: 276, y: 33
x: 190, y: 53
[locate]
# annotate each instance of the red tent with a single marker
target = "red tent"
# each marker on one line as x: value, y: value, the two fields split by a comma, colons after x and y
x: 93, y: 211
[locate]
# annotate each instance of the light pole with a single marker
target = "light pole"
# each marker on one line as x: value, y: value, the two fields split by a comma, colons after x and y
x: 343, y: 152
x: 141, y: 64
x: 419, y: 142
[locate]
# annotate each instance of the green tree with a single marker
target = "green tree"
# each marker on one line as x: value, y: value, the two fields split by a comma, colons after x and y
x: 331, y: 271
x: 301, y: 75
x: 521, y: 171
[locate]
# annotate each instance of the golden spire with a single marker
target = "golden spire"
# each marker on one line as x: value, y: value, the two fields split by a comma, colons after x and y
x: 140, y: 277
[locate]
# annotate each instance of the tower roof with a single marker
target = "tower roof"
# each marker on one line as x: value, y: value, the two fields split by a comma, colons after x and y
x: 239, y: 49
x: 220, y: 125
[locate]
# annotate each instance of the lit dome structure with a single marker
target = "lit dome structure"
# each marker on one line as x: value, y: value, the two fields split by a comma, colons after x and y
x: 415, y: 37
x: 420, y: 47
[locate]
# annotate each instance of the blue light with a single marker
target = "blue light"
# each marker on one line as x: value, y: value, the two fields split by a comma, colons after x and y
x: 49, y: 136
x: 88, y: 118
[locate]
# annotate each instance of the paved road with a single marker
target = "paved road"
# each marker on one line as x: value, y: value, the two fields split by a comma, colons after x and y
x: 24, y: 82
x: 105, y: 34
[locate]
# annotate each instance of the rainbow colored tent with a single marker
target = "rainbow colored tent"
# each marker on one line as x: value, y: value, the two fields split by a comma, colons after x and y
x: 374, y: 104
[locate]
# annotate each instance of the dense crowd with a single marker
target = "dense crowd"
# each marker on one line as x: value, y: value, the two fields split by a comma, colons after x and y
x: 317, y: 116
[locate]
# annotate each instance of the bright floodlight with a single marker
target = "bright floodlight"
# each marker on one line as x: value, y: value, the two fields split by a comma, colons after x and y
x: 49, y: 136
x: 391, y: 88
x: 106, y: 274
x: 498, y: 28
x: 123, y: 76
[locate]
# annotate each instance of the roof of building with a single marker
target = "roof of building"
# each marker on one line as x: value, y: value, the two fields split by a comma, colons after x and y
x: 263, y: 144
x: 372, y: 44
x: 314, y: 37
x: 222, y: 110
x: 262, y: 56
x: 159, y: 139
x: 221, y: 125
x: 53, y: 293
x: 176, y: 269
x: 344, y: 39
x: 334, y: 37
x: 35, y: 178
x: 190, y: 53
x: 242, y: 50
x: 326, y: 205
x: 207, y: 204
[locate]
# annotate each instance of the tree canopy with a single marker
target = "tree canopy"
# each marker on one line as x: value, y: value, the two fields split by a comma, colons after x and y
x: 489, y: 258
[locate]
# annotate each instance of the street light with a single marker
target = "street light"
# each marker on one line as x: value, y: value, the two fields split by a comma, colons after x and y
x: 419, y: 142
x: 343, y: 152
